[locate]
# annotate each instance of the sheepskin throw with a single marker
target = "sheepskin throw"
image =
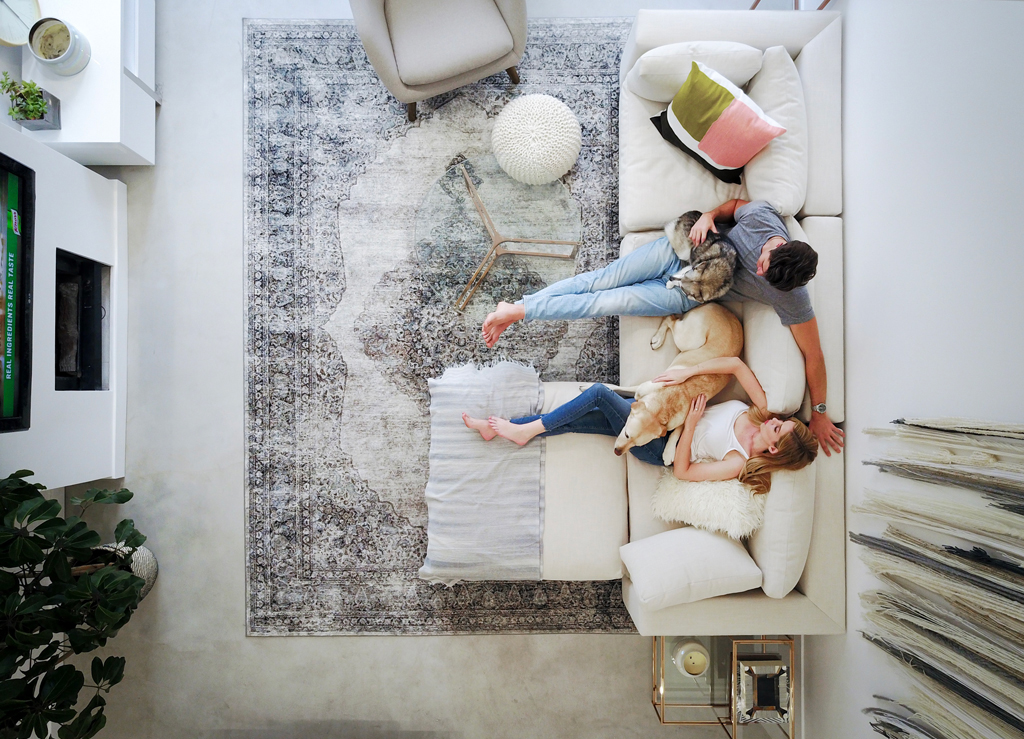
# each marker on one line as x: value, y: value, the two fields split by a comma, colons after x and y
x: 727, y: 506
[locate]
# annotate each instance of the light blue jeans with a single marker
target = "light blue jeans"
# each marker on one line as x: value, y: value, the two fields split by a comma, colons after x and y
x: 631, y: 286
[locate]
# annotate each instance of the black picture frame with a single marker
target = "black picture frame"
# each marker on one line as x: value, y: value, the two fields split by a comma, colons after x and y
x: 22, y: 418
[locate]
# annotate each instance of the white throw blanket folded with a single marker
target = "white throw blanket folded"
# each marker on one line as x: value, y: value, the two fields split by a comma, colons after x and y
x: 484, y: 499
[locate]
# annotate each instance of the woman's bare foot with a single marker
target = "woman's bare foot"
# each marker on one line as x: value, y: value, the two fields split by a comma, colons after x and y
x: 480, y: 425
x: 520, y: 433
x: 500, y: 319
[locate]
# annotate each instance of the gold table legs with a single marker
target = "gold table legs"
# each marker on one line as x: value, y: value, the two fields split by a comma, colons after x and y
x: 498, y: 247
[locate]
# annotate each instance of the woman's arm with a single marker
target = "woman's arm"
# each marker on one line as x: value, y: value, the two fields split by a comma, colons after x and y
x: 719, y: 366
x: 727, y: 469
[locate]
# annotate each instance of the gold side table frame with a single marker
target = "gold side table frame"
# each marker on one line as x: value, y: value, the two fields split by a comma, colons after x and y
x: 663, y: 707
x: 499, y: 248
x: 730, y: 723
x: 763, y: 642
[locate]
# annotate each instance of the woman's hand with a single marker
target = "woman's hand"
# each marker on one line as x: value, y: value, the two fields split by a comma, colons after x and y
x: 700, y: 229
x: 697, y: 406
x: 674, y: 376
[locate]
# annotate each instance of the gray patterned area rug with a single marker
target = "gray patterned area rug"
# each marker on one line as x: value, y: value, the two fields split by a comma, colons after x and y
x: 344, y: 327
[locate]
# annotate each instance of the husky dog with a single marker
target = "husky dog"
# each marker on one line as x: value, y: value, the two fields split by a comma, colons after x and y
x: 709, y: 266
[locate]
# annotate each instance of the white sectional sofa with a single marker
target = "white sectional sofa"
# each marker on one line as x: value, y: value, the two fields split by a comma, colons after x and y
x: 597, y: 502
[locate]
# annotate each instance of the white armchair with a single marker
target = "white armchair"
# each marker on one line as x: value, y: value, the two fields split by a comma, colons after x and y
x: 421, y: 49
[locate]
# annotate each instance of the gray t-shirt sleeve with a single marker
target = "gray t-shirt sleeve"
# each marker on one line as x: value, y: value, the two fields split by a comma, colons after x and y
x: 793, y: 307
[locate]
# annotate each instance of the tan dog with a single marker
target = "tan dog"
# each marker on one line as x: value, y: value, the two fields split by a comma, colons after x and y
x: 705, y: 332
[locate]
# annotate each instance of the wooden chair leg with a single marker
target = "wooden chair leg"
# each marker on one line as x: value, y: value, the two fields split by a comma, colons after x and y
x: 513, y: 74
x: 410, y: 110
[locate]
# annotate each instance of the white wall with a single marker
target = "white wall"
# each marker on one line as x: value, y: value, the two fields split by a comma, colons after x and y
x: 933, y: 162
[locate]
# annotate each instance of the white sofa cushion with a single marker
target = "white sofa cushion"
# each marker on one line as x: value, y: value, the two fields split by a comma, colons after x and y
x: 778, y: 173
x: 780, y: 546
x: 659, y: 73
x: 684, y: 565
x: 820, y: 64
x: 824, y: 558
x: 658, y: 182
x: 771, y: 352
x: 585, y: 505
x: 825, y: 235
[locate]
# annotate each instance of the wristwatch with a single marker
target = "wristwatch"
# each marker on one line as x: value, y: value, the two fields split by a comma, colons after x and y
x: 819, y: 408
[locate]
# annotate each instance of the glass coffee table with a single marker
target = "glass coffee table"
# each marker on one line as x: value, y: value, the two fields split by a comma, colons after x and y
x: 483, y: 236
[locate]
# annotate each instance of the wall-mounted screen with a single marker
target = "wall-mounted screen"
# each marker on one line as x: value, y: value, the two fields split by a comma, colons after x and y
x: 17, y: 204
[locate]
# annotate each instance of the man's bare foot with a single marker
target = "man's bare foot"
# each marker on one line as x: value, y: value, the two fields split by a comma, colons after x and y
x: 480, y: 425
x: 520, y: 433
x: 500, y: 319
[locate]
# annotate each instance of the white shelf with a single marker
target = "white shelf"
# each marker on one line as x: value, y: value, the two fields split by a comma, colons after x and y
x: 108, y: 111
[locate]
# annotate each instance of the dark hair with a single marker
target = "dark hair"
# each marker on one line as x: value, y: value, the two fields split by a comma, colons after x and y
x: 791, y: 265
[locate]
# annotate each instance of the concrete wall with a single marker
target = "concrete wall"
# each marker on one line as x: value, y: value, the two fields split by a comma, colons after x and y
x: 932, y: 178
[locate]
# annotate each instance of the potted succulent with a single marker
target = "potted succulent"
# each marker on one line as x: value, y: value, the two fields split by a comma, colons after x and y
x: 60, y: 595
x: 31, y: 106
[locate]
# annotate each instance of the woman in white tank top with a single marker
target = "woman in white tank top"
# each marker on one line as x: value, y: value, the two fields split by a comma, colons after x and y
x: 727, y: 440
x: 732, y: 439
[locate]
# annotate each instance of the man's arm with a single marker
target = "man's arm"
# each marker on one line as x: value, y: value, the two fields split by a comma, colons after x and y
x: 806, y: 335
x: 725, y: 211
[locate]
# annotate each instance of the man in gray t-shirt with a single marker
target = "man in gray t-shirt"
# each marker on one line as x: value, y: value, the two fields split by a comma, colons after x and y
x: 758, y: 223
x: 771, y: 270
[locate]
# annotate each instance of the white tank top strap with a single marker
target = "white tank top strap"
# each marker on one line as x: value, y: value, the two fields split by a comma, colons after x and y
x: 715, y: 435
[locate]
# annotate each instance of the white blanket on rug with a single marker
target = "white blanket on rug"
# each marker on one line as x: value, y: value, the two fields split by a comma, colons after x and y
x: 484, y: 499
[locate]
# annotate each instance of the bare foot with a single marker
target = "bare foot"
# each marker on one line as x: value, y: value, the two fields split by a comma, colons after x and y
x: 519, y: 433
x: 500, y: 319
x: 479, y: 425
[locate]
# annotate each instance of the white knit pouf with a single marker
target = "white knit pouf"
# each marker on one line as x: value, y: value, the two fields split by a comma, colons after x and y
x: 536, y: 139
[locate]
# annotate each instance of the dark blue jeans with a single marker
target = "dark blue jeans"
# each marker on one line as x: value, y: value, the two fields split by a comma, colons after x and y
x: 597, y: 410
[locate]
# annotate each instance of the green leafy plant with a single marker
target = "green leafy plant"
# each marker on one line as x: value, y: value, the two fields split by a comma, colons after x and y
x: 27, y: 101
x: 59, y: 596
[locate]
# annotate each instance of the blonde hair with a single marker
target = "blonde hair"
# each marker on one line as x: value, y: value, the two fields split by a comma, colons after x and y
x: 796, y: 450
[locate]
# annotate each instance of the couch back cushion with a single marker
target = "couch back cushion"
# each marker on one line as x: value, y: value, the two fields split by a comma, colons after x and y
x: 780, y: 546
x: 778, y: 173
x: 659, y: 73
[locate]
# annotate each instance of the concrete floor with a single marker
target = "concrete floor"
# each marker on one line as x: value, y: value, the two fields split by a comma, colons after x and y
x: 191, y: 671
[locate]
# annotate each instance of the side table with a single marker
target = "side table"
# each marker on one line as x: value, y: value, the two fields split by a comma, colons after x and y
x: 747, y: 688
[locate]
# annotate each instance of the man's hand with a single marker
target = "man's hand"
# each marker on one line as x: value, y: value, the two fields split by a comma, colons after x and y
x: 674, y: 376
x: 828, y: 435
x: 700, y: 229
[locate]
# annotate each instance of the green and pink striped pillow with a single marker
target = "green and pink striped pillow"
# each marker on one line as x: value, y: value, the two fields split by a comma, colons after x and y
x: 714, y: 122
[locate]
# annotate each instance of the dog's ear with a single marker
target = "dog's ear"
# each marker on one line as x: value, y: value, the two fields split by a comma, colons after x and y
x: 634, y: 405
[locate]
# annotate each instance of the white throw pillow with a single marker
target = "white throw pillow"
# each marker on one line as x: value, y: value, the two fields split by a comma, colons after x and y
x: 725, y: 506
x: 778, y: 173
x: 684, y: 565
x: 772, y: 354
x: 780, y: 546
x: 659, y: 73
